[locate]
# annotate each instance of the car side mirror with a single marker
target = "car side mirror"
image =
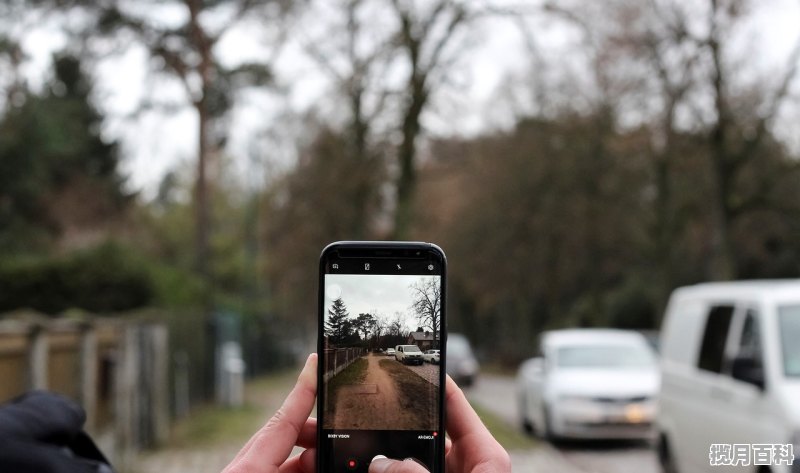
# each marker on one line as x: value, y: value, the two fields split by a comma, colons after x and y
x: 748, y: 369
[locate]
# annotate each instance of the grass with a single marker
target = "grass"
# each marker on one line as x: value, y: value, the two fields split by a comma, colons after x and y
x: 353, y: 374
x: 213, y: 425
x: 409, y: 382
x: 210, y: 424
x: 509, y: 437
x: 498, y: 369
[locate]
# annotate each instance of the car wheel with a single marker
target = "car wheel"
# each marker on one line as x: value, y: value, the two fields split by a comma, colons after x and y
x: 547, y: 429
x: 527, y: 425
x: 665, y: 457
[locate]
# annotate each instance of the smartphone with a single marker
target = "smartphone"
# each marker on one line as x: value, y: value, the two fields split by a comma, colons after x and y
x: 382, y: 342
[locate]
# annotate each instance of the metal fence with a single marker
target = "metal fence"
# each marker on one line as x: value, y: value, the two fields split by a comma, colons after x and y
x: 115, y: 368
x: 337, y: 359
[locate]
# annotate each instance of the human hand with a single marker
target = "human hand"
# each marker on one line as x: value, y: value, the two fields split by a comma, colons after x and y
x: 472, y: 448
x: 268, y: 450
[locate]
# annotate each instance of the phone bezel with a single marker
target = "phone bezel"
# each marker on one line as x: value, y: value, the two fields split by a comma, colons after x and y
x: 382, y: 249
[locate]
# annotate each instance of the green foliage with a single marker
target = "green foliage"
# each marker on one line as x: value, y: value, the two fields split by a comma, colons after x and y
x: 51, y: 153
x: 631, y: 306
x: 108, y: 278
x: 338, y: 327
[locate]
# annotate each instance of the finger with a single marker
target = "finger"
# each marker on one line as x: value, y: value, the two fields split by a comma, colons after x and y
x: 381, y: 464
x: 448, y: 444
x: 303, y: 463
x: 308, y: 434
x: 306, y: 439
x: 308, y: 461
x: 475, y: 443
x: 273, y: 443
x: 461, y: 418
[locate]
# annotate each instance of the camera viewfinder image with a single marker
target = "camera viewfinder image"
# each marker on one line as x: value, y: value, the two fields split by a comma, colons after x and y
x: 381, y: 346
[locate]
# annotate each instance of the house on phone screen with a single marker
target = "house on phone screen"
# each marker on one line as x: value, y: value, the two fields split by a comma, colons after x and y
x: 424, y: 340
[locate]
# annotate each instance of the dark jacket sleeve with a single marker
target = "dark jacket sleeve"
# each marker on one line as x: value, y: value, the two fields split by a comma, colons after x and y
x: 43, y: 432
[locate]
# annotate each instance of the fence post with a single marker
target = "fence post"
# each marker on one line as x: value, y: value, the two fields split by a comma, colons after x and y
x: 38, y: 353
x: 126, y: 405
x: 159, y: 344
x: 88, y: 370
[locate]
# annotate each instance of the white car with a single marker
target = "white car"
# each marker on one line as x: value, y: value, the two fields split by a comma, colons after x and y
x: 390, y: 352
x: 408, y: 354
x: 730, y: 376
x: 590, y: 384
x: 431, y: 356
x: 461, y: 363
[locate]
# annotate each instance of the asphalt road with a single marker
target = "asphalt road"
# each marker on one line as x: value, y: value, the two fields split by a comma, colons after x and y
x: 498, y: 395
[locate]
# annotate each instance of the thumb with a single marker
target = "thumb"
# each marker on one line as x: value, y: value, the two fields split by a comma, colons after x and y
x: 381, y: 464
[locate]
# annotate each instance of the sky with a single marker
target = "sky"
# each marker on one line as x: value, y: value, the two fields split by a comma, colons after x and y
x: 156, y: 142
x: 377, y: 294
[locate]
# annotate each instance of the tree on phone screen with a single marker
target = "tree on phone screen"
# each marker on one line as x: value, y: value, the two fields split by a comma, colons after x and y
x: 427, y: 299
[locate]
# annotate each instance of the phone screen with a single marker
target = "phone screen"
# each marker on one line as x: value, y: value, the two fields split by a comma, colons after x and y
x: 381, y: 348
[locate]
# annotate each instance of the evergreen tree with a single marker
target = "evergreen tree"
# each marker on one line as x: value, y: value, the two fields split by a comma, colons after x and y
x: 50, y: 147
x: 338, y: 327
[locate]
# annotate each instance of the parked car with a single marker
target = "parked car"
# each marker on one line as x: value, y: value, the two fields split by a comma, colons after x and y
x: 589, y: 384
x: 730, y: 373
x: 390, y: 352
x: 408, y: 354
x: 461, y: 363
x: 431, y: 356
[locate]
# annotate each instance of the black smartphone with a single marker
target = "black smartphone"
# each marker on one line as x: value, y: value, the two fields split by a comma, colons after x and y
x: 382, y: 351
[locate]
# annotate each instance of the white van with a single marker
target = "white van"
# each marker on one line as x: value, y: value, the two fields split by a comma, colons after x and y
x: 730, y: 375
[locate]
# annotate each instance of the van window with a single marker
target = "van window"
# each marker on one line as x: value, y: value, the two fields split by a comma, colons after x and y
x: 750, y: 341
x: 716, y: 332
x: 789, y: 319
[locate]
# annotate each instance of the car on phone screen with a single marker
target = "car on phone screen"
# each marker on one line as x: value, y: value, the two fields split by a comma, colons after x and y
x: 431, y: 356
x: 730, y: 375
x: 408, y: 354
x: 390, y: 352
x: 461, y: 363
x: 590, y: 384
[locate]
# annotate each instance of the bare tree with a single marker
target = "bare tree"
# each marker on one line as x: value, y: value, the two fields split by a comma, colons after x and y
x: 427, y: 303
x: 186, y: 52
x: 427, y: 41
x: 352, y: 52
x: 731, y: 147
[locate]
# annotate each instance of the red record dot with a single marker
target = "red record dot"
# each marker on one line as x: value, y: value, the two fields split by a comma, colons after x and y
x: 435, y: 434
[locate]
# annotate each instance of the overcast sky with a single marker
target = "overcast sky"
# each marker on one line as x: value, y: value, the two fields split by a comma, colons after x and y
x: 154, y: 143
x: 377, y: 294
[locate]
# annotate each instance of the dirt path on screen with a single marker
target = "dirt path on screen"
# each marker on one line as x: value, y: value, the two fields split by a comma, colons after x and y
x: 375, y: 403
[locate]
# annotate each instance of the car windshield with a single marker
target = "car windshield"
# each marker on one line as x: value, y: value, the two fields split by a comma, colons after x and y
x: 605, y: 356
x: 458, y: 347
x: 789, y: 319
x: 411, y: 348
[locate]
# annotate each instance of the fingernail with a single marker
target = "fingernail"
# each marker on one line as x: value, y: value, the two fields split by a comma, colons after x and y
x: 379, y: 464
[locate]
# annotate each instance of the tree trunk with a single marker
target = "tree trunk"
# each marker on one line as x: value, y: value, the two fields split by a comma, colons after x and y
x: 406, y: 183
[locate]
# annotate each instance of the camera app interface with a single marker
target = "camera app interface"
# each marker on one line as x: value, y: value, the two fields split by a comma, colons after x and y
x: 380, y: 393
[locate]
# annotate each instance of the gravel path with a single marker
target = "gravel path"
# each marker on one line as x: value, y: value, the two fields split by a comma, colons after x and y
x: 429, y: 372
